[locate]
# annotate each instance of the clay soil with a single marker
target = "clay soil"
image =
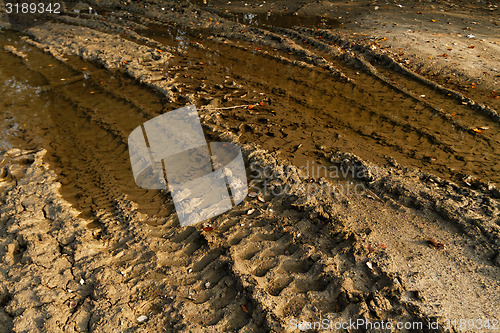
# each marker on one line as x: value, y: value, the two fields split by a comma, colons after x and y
x: 392, y: 107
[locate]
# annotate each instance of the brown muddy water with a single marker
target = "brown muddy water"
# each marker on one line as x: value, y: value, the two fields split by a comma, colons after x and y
x: 83, y: 114
x: 283, y: 20
x: 270, y: 19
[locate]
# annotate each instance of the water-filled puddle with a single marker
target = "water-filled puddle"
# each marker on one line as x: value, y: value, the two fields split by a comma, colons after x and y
x: 309, y: 108
x: 282, y: 20
x: 82, y: 114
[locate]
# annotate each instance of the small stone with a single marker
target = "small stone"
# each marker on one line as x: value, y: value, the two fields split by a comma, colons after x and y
x: 73, y: 304
x: 82, y: 282
x: 250, y: 211
x: 369, y: 264
x: 142, y: 319
x: 496, y: 259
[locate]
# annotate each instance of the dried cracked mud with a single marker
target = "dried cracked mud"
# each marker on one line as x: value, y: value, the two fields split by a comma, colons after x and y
x: 388, y: 106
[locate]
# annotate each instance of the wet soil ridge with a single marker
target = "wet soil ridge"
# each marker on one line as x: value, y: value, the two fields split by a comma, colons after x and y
x: 119, y: 57
x: 377, y: 57
x: 266, y: 36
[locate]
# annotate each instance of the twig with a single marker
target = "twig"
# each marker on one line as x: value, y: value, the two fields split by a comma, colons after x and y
x: 229, y: 107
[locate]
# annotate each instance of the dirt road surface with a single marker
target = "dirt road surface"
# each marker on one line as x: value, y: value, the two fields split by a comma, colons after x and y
x: 370, y: 131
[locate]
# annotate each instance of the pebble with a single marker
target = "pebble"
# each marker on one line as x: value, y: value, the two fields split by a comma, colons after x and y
x: 142, y: 319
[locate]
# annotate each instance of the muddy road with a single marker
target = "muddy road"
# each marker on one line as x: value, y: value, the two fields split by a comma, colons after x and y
x: 412, y: 238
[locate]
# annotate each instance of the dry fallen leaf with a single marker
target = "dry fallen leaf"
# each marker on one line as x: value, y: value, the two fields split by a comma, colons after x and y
x: 370, y: 248
x: 244, y: 308
x: 435, y: 244
x: 208, y: 229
